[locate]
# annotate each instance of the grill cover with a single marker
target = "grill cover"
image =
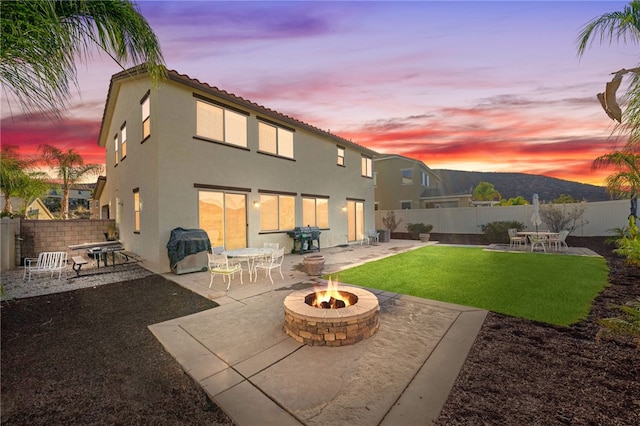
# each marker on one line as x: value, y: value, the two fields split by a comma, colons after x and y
x: 184, y: 242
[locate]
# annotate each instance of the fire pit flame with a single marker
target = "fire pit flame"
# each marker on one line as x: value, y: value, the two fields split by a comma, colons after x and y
x: 331, y: 298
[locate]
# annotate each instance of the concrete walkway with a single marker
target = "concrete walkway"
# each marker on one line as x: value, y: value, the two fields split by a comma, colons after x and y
x: 258, y: 375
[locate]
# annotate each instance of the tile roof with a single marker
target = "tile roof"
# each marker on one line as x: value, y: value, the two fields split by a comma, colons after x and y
x: 238, y: 100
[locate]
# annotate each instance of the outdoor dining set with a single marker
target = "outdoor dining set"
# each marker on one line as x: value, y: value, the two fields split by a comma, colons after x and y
x: 555, y: 241
x: 230, y: 262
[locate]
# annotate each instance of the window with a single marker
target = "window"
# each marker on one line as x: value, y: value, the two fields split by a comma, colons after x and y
x: 340, y: 156
x: 375, y: 179
x: 146, y: 117
x: 315, y: 212
x: 123, y: 143
x: 220, y: 124
x: 115, y: 149
x: 136, y: 210
x: 407, y: 176
x: 424, y: 179
x: 367, y: 166
x: 277, y: 212
x: 275, y: 140
x: 405, y: 205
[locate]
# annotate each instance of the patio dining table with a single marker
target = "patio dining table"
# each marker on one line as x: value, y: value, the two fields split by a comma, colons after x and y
x: 249, y: 255
x: 541, y: 234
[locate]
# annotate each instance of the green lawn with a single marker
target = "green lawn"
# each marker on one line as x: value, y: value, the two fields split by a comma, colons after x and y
x: 554, y: 289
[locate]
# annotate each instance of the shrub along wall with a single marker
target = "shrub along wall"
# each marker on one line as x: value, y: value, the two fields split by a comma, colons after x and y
x: 57, y: 235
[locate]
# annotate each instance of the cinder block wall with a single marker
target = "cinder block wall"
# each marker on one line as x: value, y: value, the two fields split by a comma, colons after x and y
x: 57, y: 235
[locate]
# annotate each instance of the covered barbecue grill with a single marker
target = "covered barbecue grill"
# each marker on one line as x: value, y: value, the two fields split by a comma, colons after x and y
x: 187, y: 250
x: 303, y: 238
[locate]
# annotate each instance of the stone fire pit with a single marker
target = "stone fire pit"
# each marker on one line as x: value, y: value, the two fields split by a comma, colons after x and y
x: 331, y: 327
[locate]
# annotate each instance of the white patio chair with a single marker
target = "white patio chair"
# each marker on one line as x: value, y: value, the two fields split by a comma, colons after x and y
x: 559, y: 243
x: 515, y: 240
x: 219, y: 265
x: 538, y: 240
x: 369, y: 236
x: 274, y: 262
x: 47, y: 262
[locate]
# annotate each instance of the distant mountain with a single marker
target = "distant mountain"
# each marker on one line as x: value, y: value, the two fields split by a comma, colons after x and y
x: 510, y: 185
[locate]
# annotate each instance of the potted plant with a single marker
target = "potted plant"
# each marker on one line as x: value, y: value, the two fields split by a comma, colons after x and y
x: 112, y: 232
x: 391, y: 224
x: 419, y: 231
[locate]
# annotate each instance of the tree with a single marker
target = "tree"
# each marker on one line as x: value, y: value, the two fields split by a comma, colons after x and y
x: 42, y: 40
x: 517, y: 201
x: 621, y: 27
x: 565, y: 199
x: 70, y: 168
x: 485, y: 191
x: 17, y: 179
x: 563, y: 217
x: 626, y: 181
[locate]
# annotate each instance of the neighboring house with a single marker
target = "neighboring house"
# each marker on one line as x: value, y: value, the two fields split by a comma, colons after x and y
x: 38, y: 210
x: 80, y: 195
x: 403, y: 183
x: 186, y: 154
x: 95, y: 210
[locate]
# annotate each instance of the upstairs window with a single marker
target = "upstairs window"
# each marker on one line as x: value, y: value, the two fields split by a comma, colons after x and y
x: 340, y: 156
x: 367, y: 167
x: 275, y: 140
x: 424, y: 179
x: 123, y: 143
x: 220, y: 124
x: 146, y: 117
x: 116, y: 151
x: 407, y: 176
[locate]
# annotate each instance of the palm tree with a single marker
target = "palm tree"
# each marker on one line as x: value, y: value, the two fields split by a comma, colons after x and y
x: 485, y: 191
x: 627, y: 180
x: 41, y: 41
x: 622, y: 27
x: 17, y: 179
x: 70, y: 168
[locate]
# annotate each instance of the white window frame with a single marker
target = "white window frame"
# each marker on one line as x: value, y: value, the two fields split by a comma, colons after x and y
x: 424, y: 179
x: 341, y: 152
x: 367, y: 166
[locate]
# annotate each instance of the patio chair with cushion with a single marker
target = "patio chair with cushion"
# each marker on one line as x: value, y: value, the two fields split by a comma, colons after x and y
x: 515, y: 239
x: 219, y: 265
x: 274, y: 262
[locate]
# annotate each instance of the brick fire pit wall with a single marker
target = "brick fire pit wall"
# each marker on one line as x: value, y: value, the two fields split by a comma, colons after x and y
x: 331, y: 327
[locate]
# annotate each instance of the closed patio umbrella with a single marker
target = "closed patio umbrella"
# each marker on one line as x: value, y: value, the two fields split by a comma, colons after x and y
x: 535, y: 216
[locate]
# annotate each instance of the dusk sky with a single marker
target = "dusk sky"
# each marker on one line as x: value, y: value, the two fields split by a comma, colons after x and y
x: 477, y: 86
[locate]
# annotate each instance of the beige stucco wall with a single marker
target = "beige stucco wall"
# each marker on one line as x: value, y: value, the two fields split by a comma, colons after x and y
x: 167, y: 165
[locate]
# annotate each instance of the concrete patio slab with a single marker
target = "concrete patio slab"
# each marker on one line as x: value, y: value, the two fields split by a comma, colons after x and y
x: 258, y: 375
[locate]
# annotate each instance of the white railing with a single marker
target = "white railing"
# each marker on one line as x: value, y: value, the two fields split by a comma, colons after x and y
x: 598, y: 219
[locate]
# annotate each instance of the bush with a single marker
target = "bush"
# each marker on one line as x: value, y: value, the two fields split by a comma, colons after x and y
x: 498, y: 232
x: 415, y: 229
x: 562, y: 217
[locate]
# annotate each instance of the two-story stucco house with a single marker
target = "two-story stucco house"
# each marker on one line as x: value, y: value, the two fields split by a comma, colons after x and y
x: 403, y: 183
x: 186, y: 154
